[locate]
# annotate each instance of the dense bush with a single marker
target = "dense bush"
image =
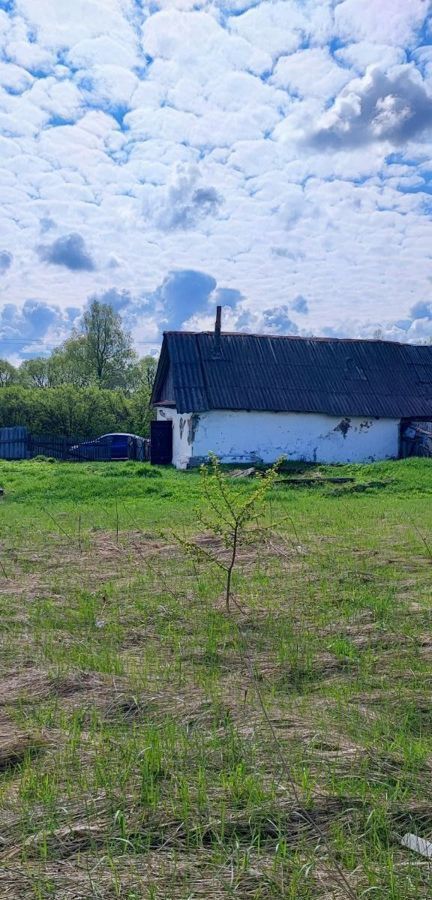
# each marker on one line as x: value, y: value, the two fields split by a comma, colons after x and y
x: 67, y: 410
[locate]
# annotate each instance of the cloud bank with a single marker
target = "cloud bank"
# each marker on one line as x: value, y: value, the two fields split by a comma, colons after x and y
x: 270, y: 155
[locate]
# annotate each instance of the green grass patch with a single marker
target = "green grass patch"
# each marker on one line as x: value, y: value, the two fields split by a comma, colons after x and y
x: 154, y: 745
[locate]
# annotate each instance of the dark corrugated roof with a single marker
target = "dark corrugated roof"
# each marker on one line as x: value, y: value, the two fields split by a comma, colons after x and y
x: 262, y: 372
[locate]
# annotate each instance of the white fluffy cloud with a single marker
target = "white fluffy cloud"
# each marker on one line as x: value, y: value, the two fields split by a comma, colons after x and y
x: 384, y: 22
x: 361, y: 54
x: 392, y: 107
x: 310, y: 73
x: 281, y: 27
x: 191, y: 39
x: 270, y: 154
x: 64, y: 24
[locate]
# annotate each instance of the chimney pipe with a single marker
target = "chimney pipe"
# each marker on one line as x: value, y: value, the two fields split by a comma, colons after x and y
x: 218, y: 327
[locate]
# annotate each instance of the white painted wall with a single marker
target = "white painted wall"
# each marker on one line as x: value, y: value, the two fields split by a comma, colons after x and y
x: 247, y: 436
x: 182, y: 435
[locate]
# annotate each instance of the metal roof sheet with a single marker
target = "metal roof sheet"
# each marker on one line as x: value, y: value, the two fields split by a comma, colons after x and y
x: 341, y: 377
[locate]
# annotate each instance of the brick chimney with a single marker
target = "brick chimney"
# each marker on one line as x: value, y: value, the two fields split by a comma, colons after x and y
x: 217, y: 331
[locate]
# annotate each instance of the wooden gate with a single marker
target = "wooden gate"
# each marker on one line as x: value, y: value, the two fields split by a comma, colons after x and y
x: 161, y: 450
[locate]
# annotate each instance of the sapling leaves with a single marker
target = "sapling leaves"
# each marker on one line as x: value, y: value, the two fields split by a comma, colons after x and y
x: 231, y: 516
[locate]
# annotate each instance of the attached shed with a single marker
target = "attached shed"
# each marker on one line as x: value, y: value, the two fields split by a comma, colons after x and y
x: 251, y: 398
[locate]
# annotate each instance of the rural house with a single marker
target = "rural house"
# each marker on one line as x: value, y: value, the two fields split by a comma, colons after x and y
x: 251, y: 398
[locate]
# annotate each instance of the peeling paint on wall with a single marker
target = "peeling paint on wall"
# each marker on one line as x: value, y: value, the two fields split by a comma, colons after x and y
x: 343, y: 426
x: 192, y: 427
x: 182, y: 451
x: 244, y: 436
x: 254, y: 436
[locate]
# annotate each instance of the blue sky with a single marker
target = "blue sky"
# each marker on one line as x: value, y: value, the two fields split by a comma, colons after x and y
x: 270, y: 155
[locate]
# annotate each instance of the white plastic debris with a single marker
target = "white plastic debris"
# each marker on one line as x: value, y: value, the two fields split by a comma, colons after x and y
x: 418, y: 844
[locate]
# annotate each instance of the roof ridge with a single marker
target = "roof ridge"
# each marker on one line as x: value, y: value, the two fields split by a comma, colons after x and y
x: 300, y: 337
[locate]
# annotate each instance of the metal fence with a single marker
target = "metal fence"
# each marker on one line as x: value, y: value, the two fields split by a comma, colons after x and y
x: 73, y: 449
x: 67, y: 449
x: 18, y: 443
x: 13, y: 443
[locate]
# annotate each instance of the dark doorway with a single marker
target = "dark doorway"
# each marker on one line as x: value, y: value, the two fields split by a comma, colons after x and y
x: 415, y: 438
x: 161, y: 450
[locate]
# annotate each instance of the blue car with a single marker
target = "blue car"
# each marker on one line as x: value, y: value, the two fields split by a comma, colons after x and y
x: 111, y: 447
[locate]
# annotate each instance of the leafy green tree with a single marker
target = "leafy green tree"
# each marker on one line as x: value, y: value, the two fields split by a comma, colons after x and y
x: 141, y: 385
x: 143, y: 374
x: 69, y: 363
x: 109, y: 350
x: 8, y: 373
x: 34, y: 372
x: 85, y: 412
x: 94, y: 383
x: 141, y: 412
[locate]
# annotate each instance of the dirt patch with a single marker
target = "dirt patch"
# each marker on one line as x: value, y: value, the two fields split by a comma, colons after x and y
x: 100, y: 556
x: 66, y: 841
x: 303, y: 671
x: 78, y: 683
x: 191, y: 708
x: 207, y: 547
x: 25, y: 684
x: 141, y: 543
x: 33, y: 685
x: 16, y: 745
x: 174, y: 875
x: 413, y: 817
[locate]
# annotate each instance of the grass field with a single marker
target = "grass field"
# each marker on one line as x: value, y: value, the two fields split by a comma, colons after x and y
x: 153, y: 745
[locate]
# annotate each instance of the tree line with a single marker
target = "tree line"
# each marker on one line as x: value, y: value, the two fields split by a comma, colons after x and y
x: 93, y: 383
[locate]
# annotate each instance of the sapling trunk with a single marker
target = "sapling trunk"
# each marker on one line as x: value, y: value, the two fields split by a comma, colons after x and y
x: 230, y: 516
x: 231, y: 567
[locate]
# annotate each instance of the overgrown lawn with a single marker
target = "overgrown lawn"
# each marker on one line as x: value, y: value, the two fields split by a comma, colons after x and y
x: 153, y: 745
